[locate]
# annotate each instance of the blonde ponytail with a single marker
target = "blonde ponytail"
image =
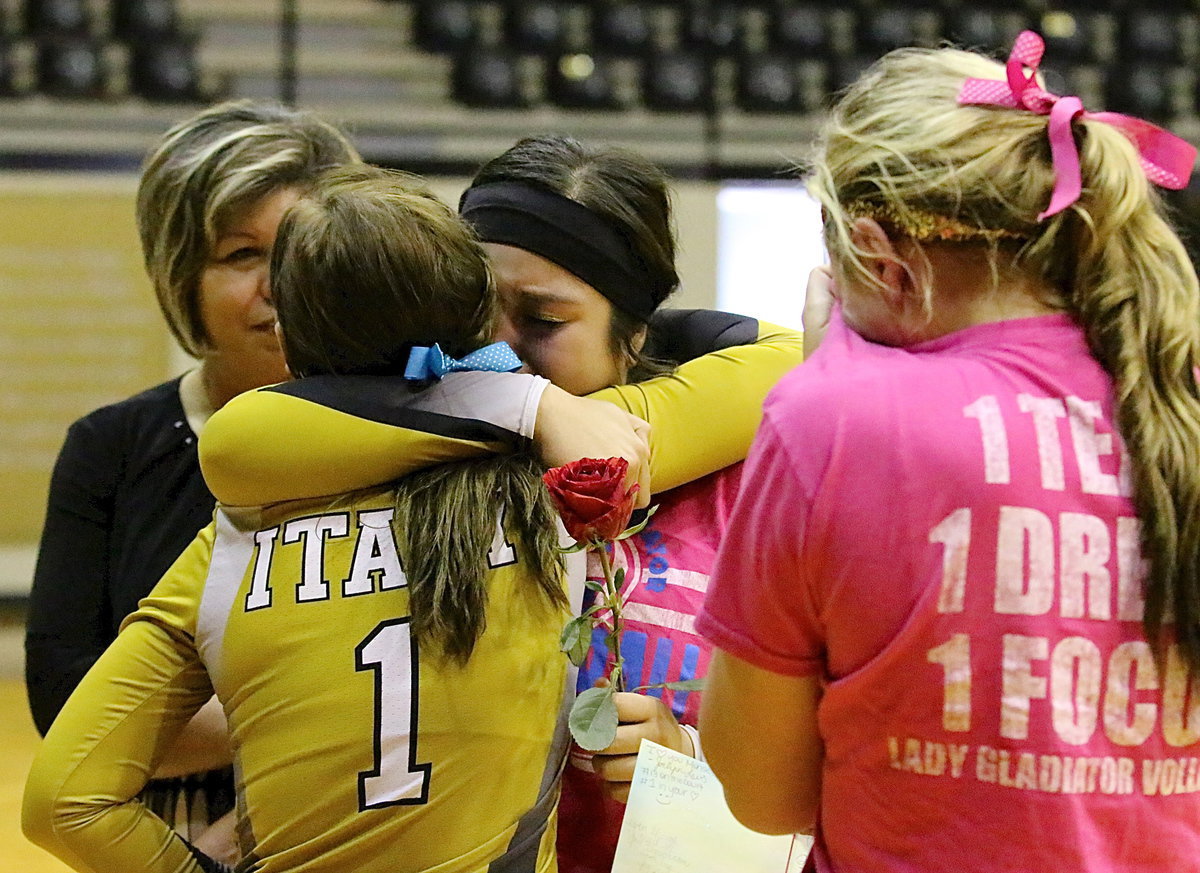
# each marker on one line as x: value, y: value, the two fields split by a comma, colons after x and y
x: 898, y: 146
x: 1136, y: 295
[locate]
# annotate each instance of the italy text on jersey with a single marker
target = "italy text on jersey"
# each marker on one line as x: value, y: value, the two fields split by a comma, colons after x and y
x: 376, y: 564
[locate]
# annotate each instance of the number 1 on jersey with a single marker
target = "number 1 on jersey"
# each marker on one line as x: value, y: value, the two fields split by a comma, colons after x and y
x: 389, y: 651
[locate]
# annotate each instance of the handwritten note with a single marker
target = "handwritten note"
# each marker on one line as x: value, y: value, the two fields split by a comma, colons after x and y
x: 676, y: 821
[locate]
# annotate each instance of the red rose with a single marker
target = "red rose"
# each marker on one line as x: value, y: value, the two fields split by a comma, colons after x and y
x: 592, y: 498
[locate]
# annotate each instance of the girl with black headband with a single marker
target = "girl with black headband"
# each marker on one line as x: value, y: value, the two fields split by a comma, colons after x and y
x: 581, y: 246
x: 583, y: 252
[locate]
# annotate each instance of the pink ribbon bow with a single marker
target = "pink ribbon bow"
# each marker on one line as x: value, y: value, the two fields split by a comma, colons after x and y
x: 1166, y: 159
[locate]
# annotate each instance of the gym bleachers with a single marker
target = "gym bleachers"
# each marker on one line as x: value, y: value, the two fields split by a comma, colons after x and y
x: 703, y: 86
x: 788, y: 55
x: 772, y: 56
x: 83, y: 50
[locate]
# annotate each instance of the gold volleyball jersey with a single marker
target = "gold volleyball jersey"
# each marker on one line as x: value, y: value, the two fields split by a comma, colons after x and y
x: 355, y: 750
x: 345, y: 433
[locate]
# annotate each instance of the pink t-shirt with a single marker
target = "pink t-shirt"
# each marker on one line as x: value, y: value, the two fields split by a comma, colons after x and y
x: 667, y: 566
x: 943, y: 534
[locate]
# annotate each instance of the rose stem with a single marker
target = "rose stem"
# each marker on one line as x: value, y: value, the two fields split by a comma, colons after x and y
x: 614, y: 606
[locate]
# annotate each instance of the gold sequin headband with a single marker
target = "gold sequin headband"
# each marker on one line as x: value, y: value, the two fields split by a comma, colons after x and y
x: 925, y: 226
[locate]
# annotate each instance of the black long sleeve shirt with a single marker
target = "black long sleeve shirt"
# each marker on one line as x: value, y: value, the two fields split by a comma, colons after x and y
x: 126, y: 498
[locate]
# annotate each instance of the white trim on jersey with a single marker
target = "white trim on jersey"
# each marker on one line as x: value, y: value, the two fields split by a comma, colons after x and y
x: 232, y: 551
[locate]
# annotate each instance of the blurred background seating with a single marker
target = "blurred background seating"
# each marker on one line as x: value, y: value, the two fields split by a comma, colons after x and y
x: 703, y: 86
x: 105, y: 51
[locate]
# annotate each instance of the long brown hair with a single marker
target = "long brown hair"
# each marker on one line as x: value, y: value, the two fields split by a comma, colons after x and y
x: 366, y: 265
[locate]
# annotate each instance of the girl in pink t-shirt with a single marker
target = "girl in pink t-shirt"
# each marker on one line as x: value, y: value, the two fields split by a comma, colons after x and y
x: 957, y: 611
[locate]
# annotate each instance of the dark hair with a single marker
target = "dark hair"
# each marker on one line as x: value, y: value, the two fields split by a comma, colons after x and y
x: 370, y: 263
x: 621, y: 186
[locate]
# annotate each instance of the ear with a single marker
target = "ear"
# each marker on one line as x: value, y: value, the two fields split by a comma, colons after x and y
x: 881, y: 258
x: 639, y: 337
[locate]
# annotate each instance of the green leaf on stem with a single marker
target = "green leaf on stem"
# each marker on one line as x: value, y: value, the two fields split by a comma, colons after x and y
x: 619, y: 578
x: 595, y: 585
x: 576, y: 636
x: 681, y: 685
x: 593, y: 719
x: 637, y: 528
x: 573, y: 548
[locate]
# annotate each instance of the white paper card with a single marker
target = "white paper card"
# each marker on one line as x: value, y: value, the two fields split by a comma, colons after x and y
x: 676, y: 821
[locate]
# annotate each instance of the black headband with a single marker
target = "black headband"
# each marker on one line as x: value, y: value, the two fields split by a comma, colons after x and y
x: 565, y: 232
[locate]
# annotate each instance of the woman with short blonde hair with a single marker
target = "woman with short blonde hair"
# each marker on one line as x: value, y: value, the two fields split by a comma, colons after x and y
x: 127, y: 494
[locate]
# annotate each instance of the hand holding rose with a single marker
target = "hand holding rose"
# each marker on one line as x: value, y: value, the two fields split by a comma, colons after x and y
x: 640, y: 717
x: 570, y: 427
x: 595, y: 506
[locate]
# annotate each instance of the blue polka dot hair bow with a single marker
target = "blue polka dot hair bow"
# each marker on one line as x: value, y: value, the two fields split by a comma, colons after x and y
x: 430, y: 362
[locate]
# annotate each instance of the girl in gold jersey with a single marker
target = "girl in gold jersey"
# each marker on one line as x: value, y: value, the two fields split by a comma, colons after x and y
x: 388, y: 659
x: 580, y: 241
